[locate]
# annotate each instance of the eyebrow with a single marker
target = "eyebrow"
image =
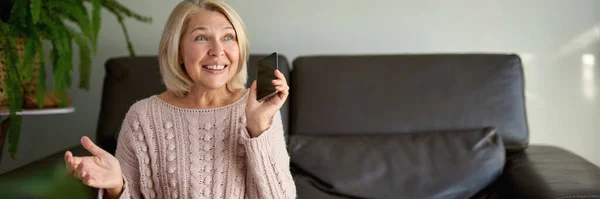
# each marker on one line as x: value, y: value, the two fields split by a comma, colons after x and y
x: 204, y: 28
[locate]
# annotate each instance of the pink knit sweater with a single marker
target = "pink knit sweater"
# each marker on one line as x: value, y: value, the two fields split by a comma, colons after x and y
x: 171, y: 152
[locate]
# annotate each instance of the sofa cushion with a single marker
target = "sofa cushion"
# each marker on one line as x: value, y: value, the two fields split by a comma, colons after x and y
x: 453, y: 164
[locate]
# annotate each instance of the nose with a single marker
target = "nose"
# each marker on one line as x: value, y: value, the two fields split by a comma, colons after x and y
x: 216, y: 49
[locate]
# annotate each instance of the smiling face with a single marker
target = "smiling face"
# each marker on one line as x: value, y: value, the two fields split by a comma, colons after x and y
x: 209, y: 50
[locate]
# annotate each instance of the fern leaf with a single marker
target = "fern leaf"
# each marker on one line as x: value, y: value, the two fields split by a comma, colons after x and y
x: 127, y: 39
x: 52, y: 34
x: 26, y: 62
x: 85, y: 60
x: 57, y: 47
x: 57, y: 64
x: 59, y: 74
x: 14, y: 133
x: 41, y: 81
x: 126, y: 11
x: 124, y: 28
x: 96, y: 22
x: 18, y: 14
x: 69, y: 62
x: 74, y: 11
x: 3, y: 27
x: 36, y: 7
x: 54, y: 56
x: 61, y: 55
x: 61, y: 78
x: 11, y: 60
x: 68, y: 59
x: 14, y: 90
x: 58, y: 33
x: 85, y: 17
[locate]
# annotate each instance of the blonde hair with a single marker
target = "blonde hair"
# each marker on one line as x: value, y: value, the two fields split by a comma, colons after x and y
x: 174, y: 77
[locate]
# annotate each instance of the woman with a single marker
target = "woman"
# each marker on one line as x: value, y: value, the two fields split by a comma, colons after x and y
x: 206, y: 136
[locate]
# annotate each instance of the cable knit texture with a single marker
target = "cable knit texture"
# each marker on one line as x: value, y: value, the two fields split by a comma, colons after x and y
x: 171, y: 152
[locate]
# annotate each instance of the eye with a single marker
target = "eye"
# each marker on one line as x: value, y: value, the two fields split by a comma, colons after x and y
x: 228, y: 38
x: 201, y: 38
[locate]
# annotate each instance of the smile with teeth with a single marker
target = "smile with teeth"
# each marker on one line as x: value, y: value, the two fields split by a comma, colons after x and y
x: 214, y: 67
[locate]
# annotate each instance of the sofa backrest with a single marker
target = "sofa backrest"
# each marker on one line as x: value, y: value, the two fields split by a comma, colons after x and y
x: 404, y: 126
x: 397, y: 94
x: 130, y: 79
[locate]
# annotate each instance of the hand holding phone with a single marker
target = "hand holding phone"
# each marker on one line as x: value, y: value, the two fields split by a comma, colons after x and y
x: 270, y: 91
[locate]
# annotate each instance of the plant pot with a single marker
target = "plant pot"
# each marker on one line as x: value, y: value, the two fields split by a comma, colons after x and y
x: 30, y: 87
x: 51, y: 100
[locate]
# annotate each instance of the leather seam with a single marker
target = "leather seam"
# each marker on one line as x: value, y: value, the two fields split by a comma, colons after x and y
x: 578, y: 196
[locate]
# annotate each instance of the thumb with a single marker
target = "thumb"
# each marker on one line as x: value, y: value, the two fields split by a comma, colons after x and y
x: 92, y: 148
x: 252, y: 95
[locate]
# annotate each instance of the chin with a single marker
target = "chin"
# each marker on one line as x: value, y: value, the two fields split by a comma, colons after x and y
x: 215, y: 85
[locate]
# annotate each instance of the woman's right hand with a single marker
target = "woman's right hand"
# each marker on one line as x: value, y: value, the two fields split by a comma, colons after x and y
x: 102, y: 170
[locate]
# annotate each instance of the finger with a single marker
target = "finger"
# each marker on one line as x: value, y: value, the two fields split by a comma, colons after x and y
x: 282, y: 81
x: 282, y: 89
x: 73, y: 162
x: 277, y: 82
x: 68, y: 162
x: 279, y: 75
x: 68, y: 156
x: 87, y: 179
x: 80, y: 171
x: 92, y: 148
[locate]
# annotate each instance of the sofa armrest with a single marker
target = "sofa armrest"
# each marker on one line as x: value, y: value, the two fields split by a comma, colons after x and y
x: 45, y: 162
x: 45, y: 178
x: 550, y: 172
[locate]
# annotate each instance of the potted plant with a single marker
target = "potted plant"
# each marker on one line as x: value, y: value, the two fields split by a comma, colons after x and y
x: 25, y: 27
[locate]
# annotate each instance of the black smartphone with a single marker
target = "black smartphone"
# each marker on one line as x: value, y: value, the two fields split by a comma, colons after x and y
x: 265, y: 74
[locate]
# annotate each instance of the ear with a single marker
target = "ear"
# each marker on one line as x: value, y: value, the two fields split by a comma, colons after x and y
x: 181, y: 64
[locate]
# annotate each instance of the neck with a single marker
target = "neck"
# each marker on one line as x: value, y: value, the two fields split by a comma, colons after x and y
x: 208, y: 98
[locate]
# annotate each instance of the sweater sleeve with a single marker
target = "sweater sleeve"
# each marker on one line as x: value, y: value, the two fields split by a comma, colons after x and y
x: 268, y: 174
x: 128, y: 161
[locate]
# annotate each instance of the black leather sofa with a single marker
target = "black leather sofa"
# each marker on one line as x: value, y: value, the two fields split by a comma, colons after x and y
x: 390, y: 126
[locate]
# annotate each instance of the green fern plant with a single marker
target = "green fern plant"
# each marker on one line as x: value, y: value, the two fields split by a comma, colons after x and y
x: 47, y: 20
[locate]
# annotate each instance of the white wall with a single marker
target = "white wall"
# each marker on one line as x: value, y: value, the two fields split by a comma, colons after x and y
x: 550, y: 35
